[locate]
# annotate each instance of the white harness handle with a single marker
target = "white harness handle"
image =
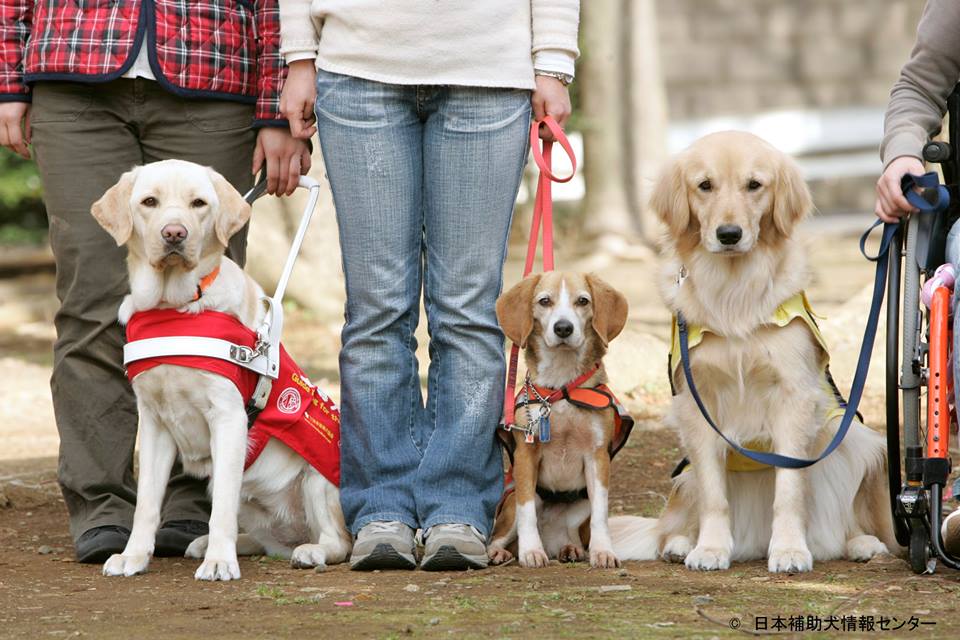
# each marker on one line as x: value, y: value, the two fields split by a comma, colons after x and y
x: 265, y: 358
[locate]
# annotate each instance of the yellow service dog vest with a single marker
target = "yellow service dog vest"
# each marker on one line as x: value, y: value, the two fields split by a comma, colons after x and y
x: 794, y: 308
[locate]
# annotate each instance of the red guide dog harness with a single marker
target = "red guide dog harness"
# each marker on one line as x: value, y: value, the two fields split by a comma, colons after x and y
x: 297, y: 413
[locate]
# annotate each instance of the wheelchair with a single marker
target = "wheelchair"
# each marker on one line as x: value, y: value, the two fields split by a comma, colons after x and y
x: 920, y: 407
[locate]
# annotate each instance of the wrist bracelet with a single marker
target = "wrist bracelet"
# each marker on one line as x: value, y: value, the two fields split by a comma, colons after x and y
x: 564, y: 78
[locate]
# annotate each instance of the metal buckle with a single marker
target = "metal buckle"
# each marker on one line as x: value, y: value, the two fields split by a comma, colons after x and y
x: 242, y: 354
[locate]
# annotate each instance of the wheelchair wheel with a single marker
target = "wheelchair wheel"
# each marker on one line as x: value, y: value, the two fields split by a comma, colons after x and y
x: 911, y: 361
x: 909, y: 497
x: 892, y: 391
x: 919, y: 546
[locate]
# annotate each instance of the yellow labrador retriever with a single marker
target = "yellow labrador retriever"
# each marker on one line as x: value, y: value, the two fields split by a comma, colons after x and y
x: 175, y: 219
x: 731, y: 264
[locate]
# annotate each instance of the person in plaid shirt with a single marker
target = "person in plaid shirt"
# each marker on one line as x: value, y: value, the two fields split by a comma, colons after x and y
x: 98, y: 88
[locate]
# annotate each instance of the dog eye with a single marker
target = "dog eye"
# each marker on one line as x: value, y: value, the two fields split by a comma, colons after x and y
x: 198, y: 203
x: 753, y: 185
x: 705, y: 186
x: 582, y: 301
x: 149, y: 201
x: 545, y: 301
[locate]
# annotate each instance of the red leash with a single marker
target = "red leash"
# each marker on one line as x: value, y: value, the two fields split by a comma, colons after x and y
x: 542, y: 217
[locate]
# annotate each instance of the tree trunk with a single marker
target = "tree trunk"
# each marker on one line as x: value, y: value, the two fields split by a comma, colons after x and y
x: 648, y: 110
x: 608, y: 215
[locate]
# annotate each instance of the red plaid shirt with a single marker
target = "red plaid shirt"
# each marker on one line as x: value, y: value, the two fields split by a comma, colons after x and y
x: 227, y: 49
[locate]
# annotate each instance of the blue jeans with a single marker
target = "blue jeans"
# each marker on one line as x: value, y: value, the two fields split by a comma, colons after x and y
x: 424, y: 180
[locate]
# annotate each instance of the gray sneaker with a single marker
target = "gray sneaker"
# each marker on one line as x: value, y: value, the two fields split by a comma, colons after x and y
x: 383, y: 545
x: 453, y: 547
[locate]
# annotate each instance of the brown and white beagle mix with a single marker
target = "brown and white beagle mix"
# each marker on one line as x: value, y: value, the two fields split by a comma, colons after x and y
x: 558, y: 508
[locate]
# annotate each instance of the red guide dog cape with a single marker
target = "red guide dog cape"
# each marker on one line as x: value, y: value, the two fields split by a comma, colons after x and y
x: 297, y: 414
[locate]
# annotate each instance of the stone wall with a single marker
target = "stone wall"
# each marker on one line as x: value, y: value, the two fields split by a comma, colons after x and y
x: 745, y: 56
x: 741, y: 57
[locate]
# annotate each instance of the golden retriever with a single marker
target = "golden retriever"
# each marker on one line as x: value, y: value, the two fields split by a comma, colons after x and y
x: 564, y: 322
x: 175, y: 219
x: 730, y: 205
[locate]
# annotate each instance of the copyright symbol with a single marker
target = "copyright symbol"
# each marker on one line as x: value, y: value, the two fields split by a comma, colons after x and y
x: 735, y: 623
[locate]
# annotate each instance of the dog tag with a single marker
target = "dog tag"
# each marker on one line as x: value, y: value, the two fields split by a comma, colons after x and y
x: 529, y: 438
x: 545, y: 428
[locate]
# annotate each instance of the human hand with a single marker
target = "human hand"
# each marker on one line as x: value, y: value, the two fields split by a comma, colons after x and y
x: 891, y: 205
x: 298, y: 97
x: 550, y: 98
x: 15, y: 127
x: 285, y: 157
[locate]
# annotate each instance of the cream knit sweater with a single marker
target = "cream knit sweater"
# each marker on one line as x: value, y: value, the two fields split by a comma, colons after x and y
x: 485, y: 43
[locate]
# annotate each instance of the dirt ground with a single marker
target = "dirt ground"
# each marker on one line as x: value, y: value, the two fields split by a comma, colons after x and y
x: 44, y: 593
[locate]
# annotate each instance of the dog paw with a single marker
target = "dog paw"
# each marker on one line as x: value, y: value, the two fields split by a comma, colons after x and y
x: 534, y: 559
x: 213, y: 569
x: 603, y: 559
x: 863, y: 548
x: 307, y: 556
x: 572, y: 553
x: 499, y: 556
x: 790, y: 560
x: 676, y: 549
x: 126, y: 565
x: 704, y: 558
x: 197, y: 548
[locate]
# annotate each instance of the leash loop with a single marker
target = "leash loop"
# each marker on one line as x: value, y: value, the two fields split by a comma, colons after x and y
x: 543, y: 157
x: 929, y: 182
x: 933, y: 196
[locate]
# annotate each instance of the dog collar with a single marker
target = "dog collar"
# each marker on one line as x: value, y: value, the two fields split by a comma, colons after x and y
x: 205, y: 282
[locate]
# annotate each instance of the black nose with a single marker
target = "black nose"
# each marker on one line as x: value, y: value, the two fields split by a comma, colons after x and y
x: 729, y: 234
x: 563, y: 328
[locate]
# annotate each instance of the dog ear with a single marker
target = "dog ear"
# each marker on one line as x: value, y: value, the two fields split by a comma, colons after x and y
x: 112, y: 210
x: 791, y: 197
x: 515, y: 310
x: 609, y: 309
x: 669, y: 199
x: 233, y: 212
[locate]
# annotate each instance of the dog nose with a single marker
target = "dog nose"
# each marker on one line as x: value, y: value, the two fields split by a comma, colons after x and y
x: 729, y: 234
x: 174, y: 233
x: 563, y: 328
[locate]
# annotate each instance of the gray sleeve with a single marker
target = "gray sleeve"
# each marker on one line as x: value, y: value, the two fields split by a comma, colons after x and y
x: 918, y: 99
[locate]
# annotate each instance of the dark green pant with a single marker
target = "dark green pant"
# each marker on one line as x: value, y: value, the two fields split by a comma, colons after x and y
x: 84, y: 137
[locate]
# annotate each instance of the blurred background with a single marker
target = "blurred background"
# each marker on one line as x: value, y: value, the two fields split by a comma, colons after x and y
x: 810, y: 76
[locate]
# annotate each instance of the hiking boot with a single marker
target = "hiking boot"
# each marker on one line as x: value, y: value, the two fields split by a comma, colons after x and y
x: 97, y: 544
x: 950, y: 530
x: 453, y: 547
x: 175, y: 536
x: 383, y: 545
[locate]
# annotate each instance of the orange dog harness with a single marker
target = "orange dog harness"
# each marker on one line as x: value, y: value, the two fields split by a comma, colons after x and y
x: 297, y: 413
x: 598, y: 398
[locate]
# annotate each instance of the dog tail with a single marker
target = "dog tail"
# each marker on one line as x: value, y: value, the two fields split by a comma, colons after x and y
x: 634, y: 538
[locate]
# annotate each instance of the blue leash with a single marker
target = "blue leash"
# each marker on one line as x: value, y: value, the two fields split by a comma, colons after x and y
x: 930, y: 183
